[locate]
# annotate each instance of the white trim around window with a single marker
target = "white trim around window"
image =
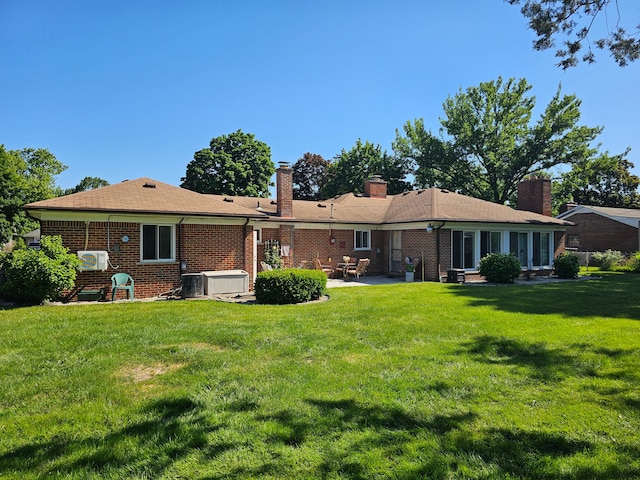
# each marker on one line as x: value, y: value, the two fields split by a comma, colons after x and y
x: 157, y: 243
x: 362, y: 239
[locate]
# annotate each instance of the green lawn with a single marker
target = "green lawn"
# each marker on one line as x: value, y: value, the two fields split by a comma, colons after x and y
x: 405, y: 381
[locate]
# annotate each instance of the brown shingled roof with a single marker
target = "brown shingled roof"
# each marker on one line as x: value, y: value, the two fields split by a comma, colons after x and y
x: 144, y: 195
x: 433, y: 204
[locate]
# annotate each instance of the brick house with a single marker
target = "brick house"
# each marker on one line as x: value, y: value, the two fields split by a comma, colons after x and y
x: 157, y: 232
x: 596, y: 229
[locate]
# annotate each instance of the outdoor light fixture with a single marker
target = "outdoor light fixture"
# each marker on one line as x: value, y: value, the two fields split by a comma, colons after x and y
x: 430, y: 228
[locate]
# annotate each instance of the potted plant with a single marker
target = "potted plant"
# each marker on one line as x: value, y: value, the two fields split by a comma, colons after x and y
x: 409, y: 269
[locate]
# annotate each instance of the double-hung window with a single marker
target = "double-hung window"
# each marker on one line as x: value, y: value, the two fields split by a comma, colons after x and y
x: 362, y: 240
x: 157, y: 243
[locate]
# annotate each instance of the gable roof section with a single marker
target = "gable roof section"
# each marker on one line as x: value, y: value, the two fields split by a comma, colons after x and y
x: 144, y: 195
x: 436, y: 204
x: 628, y: 216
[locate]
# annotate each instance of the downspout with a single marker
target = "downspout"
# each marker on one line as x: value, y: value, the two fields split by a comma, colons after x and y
x: 86, y: 233
x: 438, y: 247
x: 180, y: 245
x: 244, y: 245
x: 109, y: 233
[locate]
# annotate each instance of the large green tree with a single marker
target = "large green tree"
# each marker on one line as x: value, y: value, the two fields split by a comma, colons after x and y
x: 604, y: 181
x: 26, y: 175
x: 492, y: 143
x: 309, y: 175
x: 350, y: 169
x: 234, y: 164
x: 575, y: 19
x: 87, y: 183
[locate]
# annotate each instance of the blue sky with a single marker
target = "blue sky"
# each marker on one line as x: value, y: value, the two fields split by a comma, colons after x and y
x: 125, y: 89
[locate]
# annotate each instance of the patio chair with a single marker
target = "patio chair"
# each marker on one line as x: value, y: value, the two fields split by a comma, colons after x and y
x: 325, y: 268
x: 122, y: 281
x: 359, y: 269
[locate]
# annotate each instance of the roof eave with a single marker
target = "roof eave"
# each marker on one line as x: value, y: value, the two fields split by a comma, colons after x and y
x: 141, y: 212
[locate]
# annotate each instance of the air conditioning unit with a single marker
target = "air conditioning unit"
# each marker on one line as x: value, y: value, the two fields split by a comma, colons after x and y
x: 94, y: 260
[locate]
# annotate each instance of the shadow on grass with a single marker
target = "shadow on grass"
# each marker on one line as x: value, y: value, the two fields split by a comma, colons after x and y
x: 526, y: 454
x: 143, y: 449
x: 542, y: 362
x: 611, y: 296
x: 332, y: 439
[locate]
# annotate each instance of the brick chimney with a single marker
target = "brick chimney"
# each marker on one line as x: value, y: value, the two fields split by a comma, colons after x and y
x: 534, y: 195
x: 565, y: 207
x: 375, y: 187
x: 284, y: 186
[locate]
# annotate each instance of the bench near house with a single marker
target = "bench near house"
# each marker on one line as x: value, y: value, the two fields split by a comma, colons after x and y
x: 157, y: 233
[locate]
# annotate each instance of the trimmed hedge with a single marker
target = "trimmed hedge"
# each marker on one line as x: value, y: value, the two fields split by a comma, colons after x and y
x: 500, y: 268
x: 293, y: 285
x: 566, y: 265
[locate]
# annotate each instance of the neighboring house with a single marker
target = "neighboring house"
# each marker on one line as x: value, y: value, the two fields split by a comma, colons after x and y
x: 597, y: 229
x: 32, y: 237
x: 156, y: 232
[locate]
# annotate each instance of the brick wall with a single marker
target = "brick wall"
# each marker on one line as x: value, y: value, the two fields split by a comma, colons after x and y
x: 598, y: 233
x: 328, y: 246
x: 420, y: 244
x: 203, y: 247
x: 559, y: 239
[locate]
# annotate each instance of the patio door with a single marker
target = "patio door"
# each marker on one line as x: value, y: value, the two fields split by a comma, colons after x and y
x: 395, y: 252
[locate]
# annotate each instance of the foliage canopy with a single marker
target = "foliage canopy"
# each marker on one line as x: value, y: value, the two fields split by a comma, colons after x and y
x: 26, y: 176
x: 574, y: 19
x: 350, y: 169
x: 234, y: 164
x: 309, y: 175
x: 604, y: 181
x: 493, y: 145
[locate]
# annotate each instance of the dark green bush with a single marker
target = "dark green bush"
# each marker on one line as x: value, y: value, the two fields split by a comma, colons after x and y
x: 500, y: 268
x: 292, y: 285
x: 567, y: 265
x: 35, y: 275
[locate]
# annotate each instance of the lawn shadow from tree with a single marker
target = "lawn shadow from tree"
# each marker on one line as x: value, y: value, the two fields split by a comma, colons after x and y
x: 542, y: 362
x: 362, y: 428
x: 523, y: 454
x: 614, y: 296
x: 143, y: 449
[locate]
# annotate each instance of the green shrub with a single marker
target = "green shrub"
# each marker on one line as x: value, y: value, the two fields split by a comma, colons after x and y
x: 607, y: 260
x: 35, y: 275
x: 631, y: 264
x: 566, y: 265
x: 500, y: 268
x: 292, y: 285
